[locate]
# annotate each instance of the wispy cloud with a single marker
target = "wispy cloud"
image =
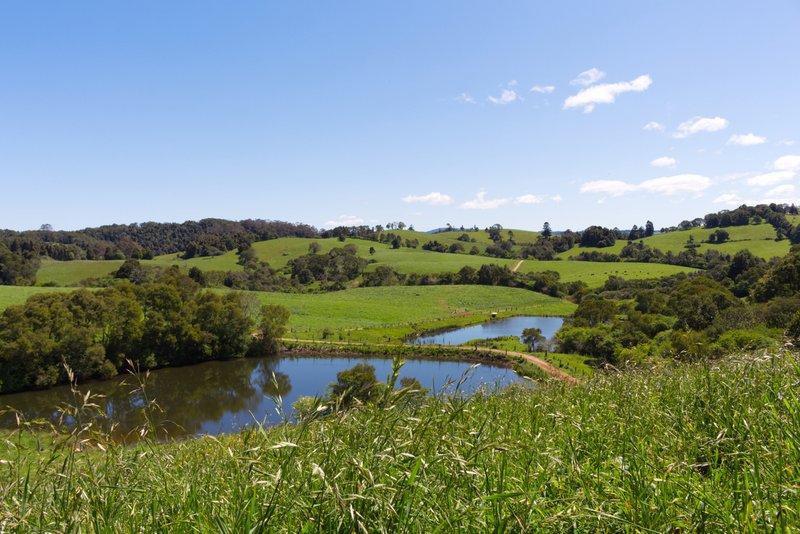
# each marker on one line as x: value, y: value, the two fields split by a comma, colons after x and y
x: 787, y: 163
x: 700, y: 124
x: 664, y: 161
x: 588, y: 77
x: 614, y: 188
x: 770, y: 178
x: 667, y: 185
x: 730, y: 199
x: 465, y: 98
x: 781, y: 190
x: 543, y: 89
x: 747, y: 139
x: 344, y: 220
x: 434, y: 199
x: 529, y: 199
x: 605, y: 93
x: 653, y: 125
x: 480, y: 202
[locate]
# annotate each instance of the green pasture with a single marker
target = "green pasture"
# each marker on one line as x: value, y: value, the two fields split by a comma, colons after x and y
x: 70, y: 273
x: 757, y: 238
x: 596, y: 273
x: 389, y: 313
x: 12, y: 295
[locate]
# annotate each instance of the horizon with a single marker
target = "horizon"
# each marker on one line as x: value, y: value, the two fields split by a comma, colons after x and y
x: 354, y: 114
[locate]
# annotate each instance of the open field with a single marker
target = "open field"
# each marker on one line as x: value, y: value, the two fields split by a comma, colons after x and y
x: 759, y: 239
x: 378, y: 313
x: 697, y: 448
x: 70, y: 273
x: 596, y: 273
x: 12, y: 295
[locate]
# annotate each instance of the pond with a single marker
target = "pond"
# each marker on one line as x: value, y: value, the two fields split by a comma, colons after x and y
x: 225, y: 396
x: 513, y: 326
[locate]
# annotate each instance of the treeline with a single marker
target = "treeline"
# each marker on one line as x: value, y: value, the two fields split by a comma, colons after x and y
x: 143, y: 241
x: 743, y: 303
x: 170, y: 321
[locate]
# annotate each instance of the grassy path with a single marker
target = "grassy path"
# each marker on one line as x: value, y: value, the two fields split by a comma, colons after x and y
x: 517, y: 266
x: 547, y: 367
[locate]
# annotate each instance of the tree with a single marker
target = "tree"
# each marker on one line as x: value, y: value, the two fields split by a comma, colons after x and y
x: 494, y: 232
x: 532, y: 337
x: 546, y: 231
x: 649, y: 230
x: 358, y: 382
x: 271, y: 327
x: 314, y: 247
x: 401, y: 225
x: 371, y: 251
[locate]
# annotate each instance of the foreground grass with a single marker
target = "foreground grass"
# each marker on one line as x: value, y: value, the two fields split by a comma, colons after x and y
x: 711, y: 447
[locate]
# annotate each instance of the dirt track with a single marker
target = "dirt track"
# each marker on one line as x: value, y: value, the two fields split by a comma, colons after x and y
x: 548, y: 368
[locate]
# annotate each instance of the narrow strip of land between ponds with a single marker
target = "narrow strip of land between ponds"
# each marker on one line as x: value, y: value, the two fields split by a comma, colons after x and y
x: 547, y: 367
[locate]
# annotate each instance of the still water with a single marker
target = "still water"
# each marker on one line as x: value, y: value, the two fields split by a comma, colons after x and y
x: 225, y: 396
x: 513, y: 326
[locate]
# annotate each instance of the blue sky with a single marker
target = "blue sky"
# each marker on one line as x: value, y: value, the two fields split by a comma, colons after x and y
x: 468, y: 113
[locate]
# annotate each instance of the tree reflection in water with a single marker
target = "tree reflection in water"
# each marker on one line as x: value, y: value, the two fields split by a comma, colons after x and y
x: 182, y: 400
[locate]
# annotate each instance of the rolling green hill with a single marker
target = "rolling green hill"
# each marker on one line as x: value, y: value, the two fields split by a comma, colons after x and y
x: 758, y: 239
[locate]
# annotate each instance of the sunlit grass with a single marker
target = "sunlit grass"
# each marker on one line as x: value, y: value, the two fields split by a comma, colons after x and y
x: 706, y: 447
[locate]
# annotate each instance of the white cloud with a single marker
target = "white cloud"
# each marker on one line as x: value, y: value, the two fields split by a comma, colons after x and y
x: 543, y: 89
x: 788, y: 163
x: 605, y: 93
x: 700, y: 124
x: 785, y: 189
x: 588, y: 77
x: 746, y: 139
x: 614, y: 188
x: 465, y: 98
x: 770, y: 178
x: 681, y: 183
x: 480, y: 202
x: 653, y: 125
x: 434, y: 199
x: 556, y: 198
x: 664, y: 161
x: 529, y: 199
x: 731, y: 199
x: 344, y: 220
x: 506, y: 97
x: 667, y: 185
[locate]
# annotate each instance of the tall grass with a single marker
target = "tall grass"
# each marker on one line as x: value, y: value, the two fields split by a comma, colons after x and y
x: 706, y: 447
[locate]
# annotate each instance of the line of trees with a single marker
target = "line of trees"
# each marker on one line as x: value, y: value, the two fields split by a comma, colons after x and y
x: 167, y: 322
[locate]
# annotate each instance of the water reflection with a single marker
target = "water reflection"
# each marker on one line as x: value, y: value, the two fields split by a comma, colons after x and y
x: 513, y: 326
x: 220, y: 397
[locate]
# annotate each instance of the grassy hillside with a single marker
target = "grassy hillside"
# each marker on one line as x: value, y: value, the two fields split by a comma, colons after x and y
x: 70, y: 273
x: 596, y: 273
x: 378, y: 313
x: 11, y: 295
x: 405, y: 260
x: 706, y: 448
x: 759, y: 239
